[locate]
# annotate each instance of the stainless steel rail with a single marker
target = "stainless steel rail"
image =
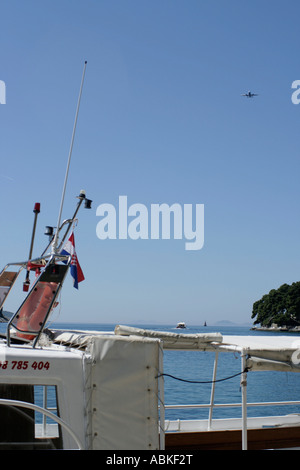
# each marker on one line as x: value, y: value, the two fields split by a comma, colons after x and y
x: 31, y: 406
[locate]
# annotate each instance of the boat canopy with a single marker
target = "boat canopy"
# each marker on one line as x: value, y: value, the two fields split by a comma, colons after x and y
x: 281, y: 353
x: 274, y: 352
x: 173, y: 340
x: 123, y: 386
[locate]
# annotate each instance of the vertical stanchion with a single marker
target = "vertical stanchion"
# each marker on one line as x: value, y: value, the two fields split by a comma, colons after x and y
x: 212, y: 395
x: 161, y: 398
x: 244, y: 401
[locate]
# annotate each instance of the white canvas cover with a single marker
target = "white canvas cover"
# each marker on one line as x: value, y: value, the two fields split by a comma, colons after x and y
x: 173, y: 340
x: 273, y: 352
x: 124, y: 388
x: 125, y: 393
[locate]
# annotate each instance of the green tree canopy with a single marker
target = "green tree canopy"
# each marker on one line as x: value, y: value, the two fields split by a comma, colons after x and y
x: 280, y: 306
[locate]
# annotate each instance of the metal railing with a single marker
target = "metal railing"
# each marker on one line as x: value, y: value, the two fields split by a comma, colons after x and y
x: 31, y: 406
x: 45, y: 406
x: 244, y: 405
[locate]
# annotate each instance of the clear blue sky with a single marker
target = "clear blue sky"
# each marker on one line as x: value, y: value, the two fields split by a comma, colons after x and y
x: 162, y: 120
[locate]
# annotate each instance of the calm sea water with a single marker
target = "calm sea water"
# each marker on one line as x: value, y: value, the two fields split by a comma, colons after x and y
x: 198, y: 366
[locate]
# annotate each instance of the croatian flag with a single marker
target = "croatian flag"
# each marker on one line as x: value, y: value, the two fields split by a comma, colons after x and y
x: 76, y: 271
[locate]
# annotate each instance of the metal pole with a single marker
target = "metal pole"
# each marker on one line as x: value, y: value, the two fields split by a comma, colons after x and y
x: 31, y: 406
x: 244, y: 402
x: 212, y: 396
x: 54, y: 243
x: 36, y: 211
x: 45, y: 405
x: 161, y: 398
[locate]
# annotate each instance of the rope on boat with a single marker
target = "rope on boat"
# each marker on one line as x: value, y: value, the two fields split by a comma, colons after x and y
x: 203, y: 382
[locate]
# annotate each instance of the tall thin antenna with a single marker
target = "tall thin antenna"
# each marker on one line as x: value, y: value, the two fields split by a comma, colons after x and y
x: 55, y: 239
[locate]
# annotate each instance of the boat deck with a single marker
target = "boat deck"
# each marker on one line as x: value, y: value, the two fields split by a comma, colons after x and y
x: 276, y: 432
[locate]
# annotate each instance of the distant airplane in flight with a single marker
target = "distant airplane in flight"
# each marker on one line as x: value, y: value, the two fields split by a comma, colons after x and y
x: 249, y: 94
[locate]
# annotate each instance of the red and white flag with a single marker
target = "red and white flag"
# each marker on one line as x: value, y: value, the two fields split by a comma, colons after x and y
x: 76, y: 271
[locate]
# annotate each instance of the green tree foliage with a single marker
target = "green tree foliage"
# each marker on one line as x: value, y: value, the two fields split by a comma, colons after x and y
x: 280, y: 306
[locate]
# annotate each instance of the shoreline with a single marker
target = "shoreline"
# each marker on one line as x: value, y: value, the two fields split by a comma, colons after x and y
x: 277, y: 329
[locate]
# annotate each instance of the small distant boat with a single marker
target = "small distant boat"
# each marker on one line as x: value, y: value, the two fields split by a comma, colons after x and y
x: 181, y: 325
x: 205, y: 324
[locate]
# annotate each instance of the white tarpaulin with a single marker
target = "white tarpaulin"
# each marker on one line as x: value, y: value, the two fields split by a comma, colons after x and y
x: 274, y: 352
x: 124, y: 388
x: 265, y: 352
x: 173, y: 340
x: 125, y: 393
